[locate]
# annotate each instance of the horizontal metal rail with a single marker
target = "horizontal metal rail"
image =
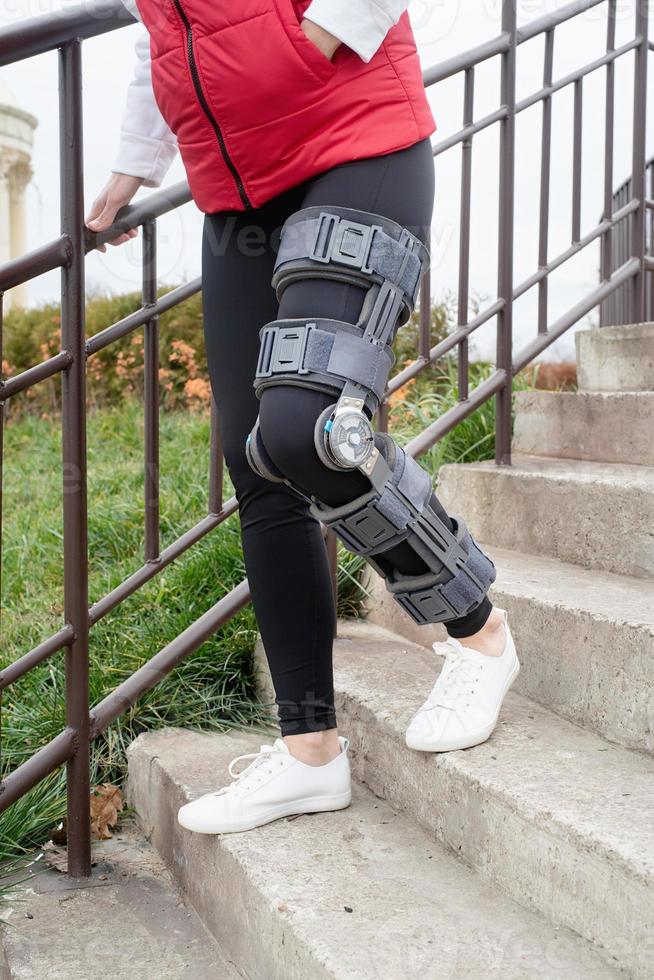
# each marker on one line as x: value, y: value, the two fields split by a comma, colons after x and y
x: 39, y: 372
x: 540, y: 25
x: 575, y: 76
x: 458, y: 63
x: 36, y: 656
x: 54, y: 255
x: 148, y: 571
x: 139, y: 317
x: 49, y: 32
x: 601, y: 229
x: 147, y: 676
x: 37, y: 767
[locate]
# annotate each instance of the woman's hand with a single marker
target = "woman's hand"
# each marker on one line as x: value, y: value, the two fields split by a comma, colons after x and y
x: 322, y: 39
x: 117, y: 192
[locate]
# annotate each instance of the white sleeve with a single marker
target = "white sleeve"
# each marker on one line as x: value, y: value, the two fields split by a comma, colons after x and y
x: 360, y: 24
x: 147, y: 145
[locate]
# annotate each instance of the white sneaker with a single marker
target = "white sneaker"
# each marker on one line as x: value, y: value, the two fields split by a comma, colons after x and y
x: 274, y: 785
x: 464, y: 705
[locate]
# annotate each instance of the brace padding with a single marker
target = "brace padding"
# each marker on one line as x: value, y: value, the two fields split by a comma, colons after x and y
x: 459, y: 573
x: 440, y: 596
x: 258, y: 458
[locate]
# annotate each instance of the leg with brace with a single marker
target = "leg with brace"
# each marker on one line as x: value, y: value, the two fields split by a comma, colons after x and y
x: 352, y: 362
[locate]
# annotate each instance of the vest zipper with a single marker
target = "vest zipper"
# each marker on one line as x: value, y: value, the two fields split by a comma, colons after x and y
x: 205, y: 106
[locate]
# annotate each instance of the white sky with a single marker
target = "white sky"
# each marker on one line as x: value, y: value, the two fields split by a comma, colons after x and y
x: 442, y: 28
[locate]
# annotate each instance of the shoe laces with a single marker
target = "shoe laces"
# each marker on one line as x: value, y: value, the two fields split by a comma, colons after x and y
x: 263, y: 764
x: 458, y: 679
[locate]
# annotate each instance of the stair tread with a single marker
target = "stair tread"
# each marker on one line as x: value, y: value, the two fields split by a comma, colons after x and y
x: 129, y: 916
x: 550, y: 769
x: 597, y: 515
x: 542, y: 395
x: 416, y: 909
x: 602, y: 594
x: 556, y: 468
x: 613, y: 427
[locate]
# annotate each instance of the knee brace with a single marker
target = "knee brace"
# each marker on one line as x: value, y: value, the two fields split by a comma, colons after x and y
x: 397, y: 509
x: 351, y: 361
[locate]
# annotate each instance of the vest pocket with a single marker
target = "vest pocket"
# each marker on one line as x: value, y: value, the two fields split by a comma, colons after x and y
x: 312, y: 56
x: 260, y: 70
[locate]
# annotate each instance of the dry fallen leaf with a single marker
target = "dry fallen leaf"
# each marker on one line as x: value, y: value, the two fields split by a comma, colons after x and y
x: 55, y: 857
x: 106, y: 804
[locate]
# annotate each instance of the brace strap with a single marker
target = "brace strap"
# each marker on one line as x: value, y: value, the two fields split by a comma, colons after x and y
x: 381, y: 518
x: 328, y: 351
x: 313, y: 240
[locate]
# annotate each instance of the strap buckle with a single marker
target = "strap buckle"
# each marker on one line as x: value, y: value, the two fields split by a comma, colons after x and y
x: 282, y: 349
x: 343, y: 241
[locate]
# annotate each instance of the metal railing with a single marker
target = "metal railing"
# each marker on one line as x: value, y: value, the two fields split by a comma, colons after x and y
x: 615, y: 311
x: 622, y: 268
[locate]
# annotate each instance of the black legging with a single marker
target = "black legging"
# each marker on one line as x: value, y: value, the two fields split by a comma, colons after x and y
x: 284, y: 551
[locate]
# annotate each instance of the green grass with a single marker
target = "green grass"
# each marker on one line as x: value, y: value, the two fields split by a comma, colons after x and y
x: 212, y: 688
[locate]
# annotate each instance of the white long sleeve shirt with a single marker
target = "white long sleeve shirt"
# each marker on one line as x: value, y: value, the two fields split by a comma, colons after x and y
x: 148, y: 147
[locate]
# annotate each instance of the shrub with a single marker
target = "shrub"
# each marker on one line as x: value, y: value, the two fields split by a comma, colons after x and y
x: 35, y: 333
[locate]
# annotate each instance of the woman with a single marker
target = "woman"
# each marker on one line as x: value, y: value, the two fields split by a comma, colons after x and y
x: 312, y: 118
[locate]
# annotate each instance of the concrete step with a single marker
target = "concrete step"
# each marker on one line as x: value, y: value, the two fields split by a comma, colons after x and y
x: 360, y: 894
x: 558, y: 818
x: 127, y: 921
x: 585, y: 639
x: 616, y: 358
x: 598, y: 515
x: 613, y: 427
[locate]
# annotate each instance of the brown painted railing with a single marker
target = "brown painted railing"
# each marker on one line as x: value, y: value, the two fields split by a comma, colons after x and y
x: 615, y: 311
x: 625, y: 267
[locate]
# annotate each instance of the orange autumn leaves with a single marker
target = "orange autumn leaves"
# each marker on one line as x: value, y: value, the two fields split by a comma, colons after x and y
x: 106, y: 804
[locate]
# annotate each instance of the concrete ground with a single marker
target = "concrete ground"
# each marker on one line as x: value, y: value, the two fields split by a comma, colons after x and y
x: 127, y: 921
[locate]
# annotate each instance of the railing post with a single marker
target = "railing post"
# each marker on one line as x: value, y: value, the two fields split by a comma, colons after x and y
x: 3, y: 409
x: 216, y: 462
x: 505, y: 243
x: 331, y: 544
x: 649, y: 278
x: 464, y: 236
x: 545, y: 180
x: 424, y: 314
x: 638, y: 185
x: 606, y: 243
x: 73, y: 410
x: 151, y: 392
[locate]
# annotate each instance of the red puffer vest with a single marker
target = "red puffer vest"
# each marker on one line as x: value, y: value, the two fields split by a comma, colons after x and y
x: 257, y: 108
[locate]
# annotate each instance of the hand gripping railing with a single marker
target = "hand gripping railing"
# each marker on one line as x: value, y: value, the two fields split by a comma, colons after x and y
x: 623, y: 267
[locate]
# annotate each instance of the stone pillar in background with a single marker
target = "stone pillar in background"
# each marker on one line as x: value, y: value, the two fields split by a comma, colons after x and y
x: 16, y: 137
x: 5, y: 221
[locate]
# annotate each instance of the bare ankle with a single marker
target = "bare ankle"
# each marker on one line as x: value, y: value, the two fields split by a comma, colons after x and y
x: 314, y: 748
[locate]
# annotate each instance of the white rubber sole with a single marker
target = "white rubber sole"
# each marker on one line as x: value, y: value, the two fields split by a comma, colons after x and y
x: 477, y: 738
x: 312, y: 804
